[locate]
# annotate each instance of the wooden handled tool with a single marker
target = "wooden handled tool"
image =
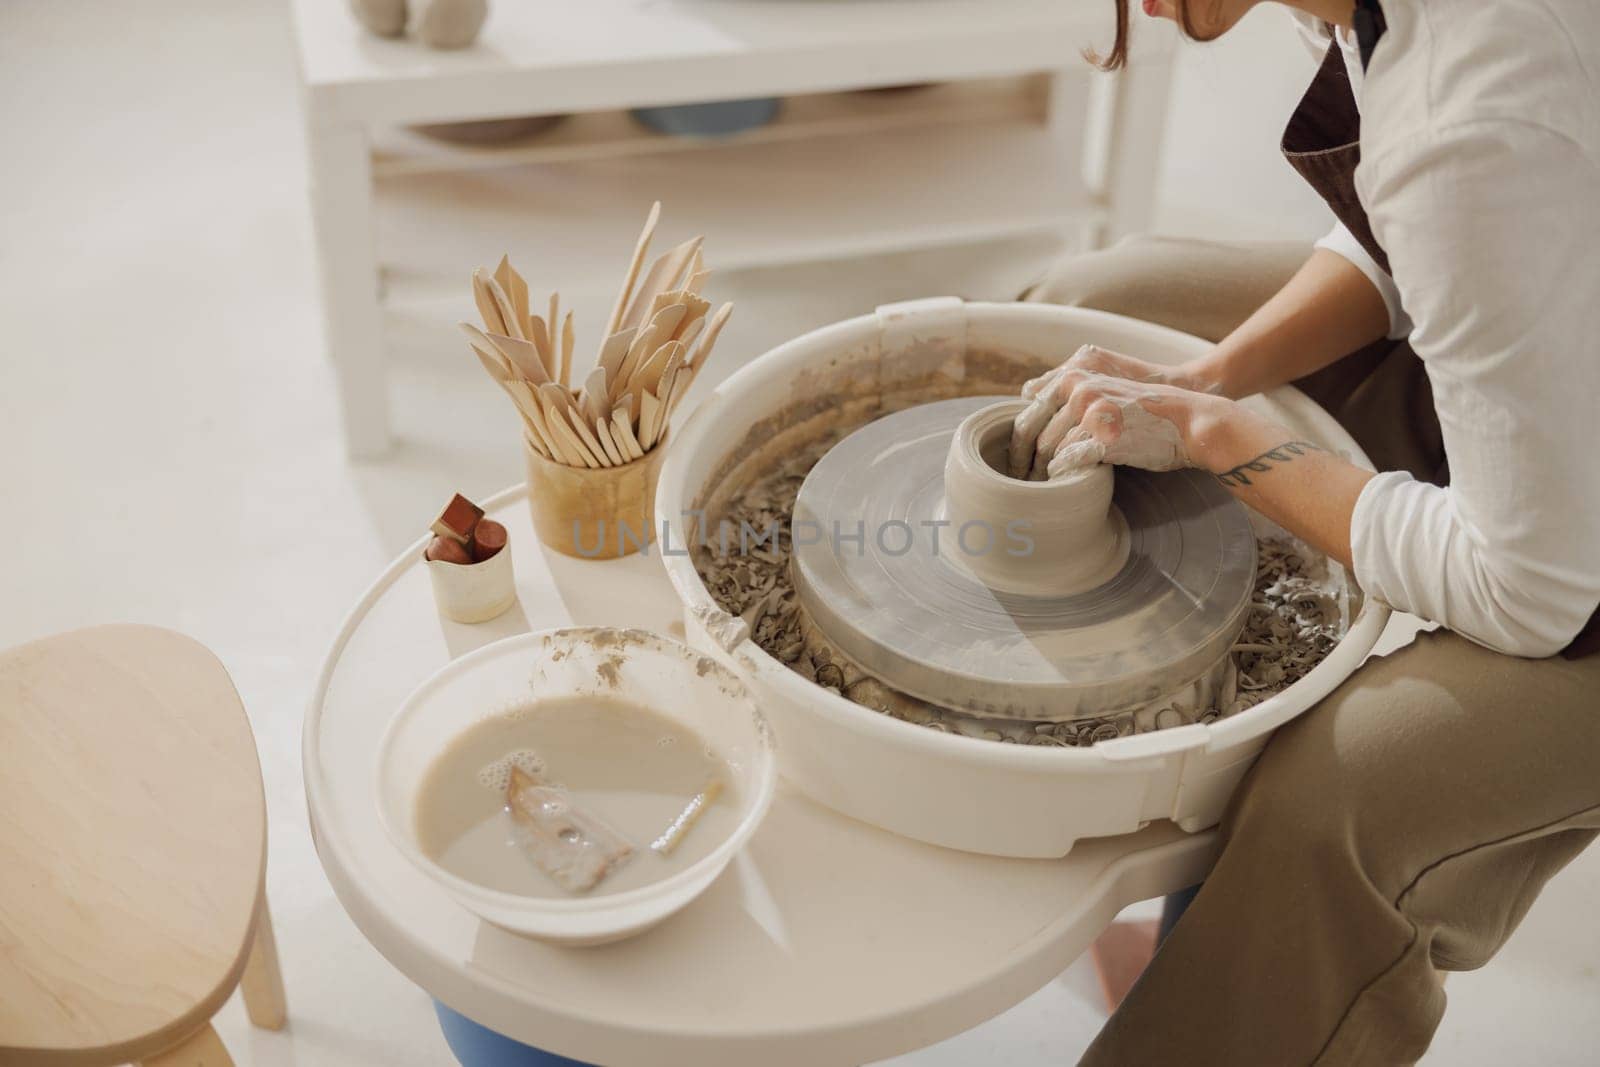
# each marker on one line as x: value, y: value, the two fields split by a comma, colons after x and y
x: 656, y: 339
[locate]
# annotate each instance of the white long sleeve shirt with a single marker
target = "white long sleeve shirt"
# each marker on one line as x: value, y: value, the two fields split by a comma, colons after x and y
x: 1480, y: 173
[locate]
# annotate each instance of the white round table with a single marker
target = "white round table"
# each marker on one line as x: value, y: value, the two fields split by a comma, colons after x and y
x: 826, y: 942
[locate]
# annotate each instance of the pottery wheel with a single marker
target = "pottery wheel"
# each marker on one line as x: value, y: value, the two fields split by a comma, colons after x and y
x: 921, y: 622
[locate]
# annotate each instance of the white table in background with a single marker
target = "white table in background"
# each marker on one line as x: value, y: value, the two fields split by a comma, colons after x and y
x: 1052, y: 149
x: 827, y: 942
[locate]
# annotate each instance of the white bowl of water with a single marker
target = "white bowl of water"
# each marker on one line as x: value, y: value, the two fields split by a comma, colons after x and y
x: 653, y: 758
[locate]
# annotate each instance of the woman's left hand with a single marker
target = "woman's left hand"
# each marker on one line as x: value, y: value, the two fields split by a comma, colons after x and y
x: 1079, y: 417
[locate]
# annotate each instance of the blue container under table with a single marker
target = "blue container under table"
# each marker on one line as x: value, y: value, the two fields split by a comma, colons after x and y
x: 722, y: 118
x: 479, y: 1046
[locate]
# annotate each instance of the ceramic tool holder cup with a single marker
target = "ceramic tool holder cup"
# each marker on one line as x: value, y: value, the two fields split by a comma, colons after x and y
x: 594, y: 513
x: 473, y: 592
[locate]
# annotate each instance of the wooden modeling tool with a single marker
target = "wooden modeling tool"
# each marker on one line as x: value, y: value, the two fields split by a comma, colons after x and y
x: 673, y: 834
x: 656, y: 339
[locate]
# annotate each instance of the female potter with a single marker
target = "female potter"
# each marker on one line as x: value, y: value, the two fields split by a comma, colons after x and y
x: 1403, y: 826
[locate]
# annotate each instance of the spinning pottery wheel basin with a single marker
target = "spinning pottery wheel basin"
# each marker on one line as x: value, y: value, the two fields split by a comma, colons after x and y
x: 942, y: 788
x: 1034, y: 600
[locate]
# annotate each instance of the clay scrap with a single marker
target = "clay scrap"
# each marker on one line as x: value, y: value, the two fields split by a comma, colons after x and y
x: 569, y: 844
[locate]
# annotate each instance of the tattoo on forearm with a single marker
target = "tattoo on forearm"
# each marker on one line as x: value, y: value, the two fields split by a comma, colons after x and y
x: 1272, y: 457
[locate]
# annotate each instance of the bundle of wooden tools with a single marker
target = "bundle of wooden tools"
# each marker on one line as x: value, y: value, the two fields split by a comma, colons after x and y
x: 656, y: 341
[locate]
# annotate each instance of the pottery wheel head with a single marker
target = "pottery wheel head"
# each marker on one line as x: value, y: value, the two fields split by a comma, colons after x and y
x: 891, y: 573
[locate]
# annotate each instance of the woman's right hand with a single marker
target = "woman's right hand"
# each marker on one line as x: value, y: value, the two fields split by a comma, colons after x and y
x: 1089, y: 359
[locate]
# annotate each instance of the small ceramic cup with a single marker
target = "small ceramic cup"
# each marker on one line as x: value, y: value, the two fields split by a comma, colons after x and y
x: 473, y: 592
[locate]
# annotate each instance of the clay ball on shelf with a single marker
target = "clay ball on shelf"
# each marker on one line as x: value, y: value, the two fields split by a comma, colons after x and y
x: 385, y: 18
x: 450, y: 23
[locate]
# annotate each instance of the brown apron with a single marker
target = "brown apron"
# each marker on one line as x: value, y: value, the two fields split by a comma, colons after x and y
x: 1380, y: 394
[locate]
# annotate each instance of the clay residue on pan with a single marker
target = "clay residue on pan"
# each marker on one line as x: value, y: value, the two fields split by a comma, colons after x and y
x: 849, y: 391
x: 609, y: 671
x: 728, y: 631
x: 1006, y: 370
x: 1298, y: 613
x: 611, y: 638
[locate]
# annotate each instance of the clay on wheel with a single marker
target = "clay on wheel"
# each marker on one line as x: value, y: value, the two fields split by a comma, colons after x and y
x: 1160, y: 615
x: 1076, y: 538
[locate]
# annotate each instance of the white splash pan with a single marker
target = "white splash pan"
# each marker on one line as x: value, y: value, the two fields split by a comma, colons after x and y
x: 945, y: 789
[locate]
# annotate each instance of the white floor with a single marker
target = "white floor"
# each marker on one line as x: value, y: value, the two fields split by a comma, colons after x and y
x: 172, y: 456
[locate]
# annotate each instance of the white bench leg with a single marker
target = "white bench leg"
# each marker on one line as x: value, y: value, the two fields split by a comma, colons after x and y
x: 341, y: 212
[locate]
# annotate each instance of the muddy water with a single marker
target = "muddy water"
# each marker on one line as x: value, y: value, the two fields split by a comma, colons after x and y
x: 632, y: 768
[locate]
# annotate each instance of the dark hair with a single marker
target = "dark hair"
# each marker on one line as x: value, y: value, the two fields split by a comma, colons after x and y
x: 1118, y: 56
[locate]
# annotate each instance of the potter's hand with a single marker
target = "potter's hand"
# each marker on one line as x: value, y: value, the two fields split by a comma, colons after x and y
x: 1089, y: 359
x: 1094, y: 418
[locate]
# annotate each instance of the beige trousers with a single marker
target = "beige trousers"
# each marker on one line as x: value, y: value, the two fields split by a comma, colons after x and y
x: 1399, y: 829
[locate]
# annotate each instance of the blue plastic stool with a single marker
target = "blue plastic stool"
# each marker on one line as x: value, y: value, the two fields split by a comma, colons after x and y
x: 1172, y: 909
x: 479, y: 1046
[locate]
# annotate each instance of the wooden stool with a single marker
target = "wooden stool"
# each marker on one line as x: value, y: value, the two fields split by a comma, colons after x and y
x: 132, y: 853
